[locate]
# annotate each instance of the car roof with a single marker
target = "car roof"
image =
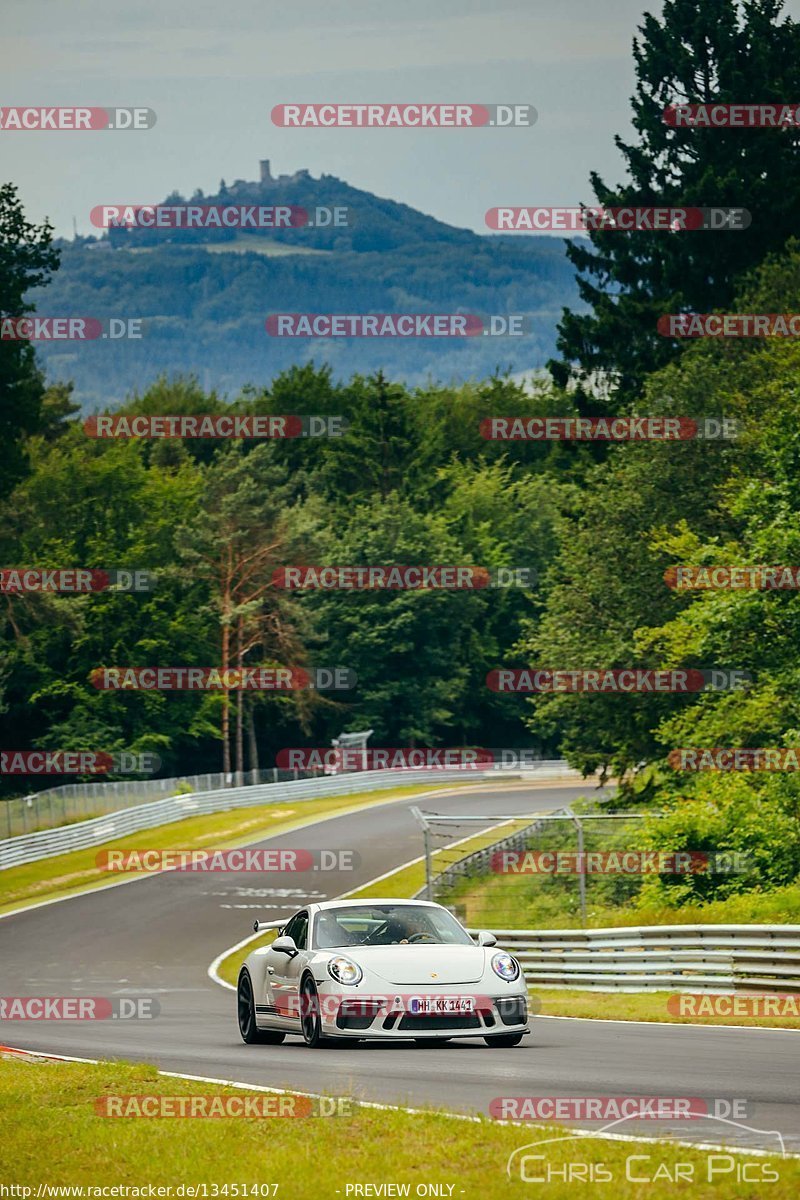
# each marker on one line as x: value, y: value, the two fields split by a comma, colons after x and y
x: 372, y: 902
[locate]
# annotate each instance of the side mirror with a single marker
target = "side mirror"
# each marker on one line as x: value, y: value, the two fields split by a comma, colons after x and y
x: 284, y: 945
x: 485, y: 938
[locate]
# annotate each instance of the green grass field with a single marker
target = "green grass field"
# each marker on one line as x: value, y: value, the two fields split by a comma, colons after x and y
x: 317, y: 1158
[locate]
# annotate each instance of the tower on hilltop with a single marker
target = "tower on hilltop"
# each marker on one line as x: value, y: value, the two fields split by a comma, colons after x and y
x: 269, y: 180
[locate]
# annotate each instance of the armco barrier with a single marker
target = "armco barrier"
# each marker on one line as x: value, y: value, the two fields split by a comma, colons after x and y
x: 657, y: 957
x: 86, y: 834
x: 693, y: 958
x: 69, y: 802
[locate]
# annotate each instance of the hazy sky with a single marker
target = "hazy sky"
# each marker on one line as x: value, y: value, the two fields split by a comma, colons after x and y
x: 213, y: 71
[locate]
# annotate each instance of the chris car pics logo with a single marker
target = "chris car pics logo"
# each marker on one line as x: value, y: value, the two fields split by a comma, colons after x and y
x: 551, y: 1160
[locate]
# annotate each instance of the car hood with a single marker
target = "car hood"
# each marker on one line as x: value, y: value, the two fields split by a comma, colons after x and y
x: 423, y: 964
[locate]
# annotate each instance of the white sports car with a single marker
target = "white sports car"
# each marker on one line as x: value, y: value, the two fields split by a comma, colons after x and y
x: 382, y: 969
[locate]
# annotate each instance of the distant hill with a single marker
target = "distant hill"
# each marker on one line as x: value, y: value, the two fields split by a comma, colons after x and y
x: 204, y: 294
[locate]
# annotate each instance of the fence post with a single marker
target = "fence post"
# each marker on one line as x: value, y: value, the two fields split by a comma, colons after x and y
x: 426, y: 844
x: 582, y: 876
x: 581, y: 864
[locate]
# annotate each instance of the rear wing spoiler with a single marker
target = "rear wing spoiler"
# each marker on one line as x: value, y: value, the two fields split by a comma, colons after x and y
x: 260, y: 926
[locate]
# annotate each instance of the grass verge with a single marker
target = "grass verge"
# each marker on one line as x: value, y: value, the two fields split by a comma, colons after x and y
x: 638, y: 1006
x: 315, y: 1158
x: 51, y: 878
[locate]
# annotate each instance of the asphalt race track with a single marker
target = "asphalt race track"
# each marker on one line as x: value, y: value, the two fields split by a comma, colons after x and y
x: 157, y: 936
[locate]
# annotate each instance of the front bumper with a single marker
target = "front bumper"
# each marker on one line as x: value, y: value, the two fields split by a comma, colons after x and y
x: 367, y: 1018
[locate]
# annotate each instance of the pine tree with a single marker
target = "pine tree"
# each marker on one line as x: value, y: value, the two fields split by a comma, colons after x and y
x: 380, y: 453
x: 26, y: 260
x: 722, y: 51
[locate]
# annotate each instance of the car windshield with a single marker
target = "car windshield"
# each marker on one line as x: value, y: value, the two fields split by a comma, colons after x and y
x: 387, y: 925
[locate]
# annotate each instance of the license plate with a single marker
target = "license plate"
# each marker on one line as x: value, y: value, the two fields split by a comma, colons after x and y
x: 442, y: 1004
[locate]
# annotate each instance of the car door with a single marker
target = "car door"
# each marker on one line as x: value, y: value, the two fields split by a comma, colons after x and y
x: 283, y: 973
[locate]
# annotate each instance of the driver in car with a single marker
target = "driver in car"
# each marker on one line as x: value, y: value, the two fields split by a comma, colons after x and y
x: 331, y: 934
x: 403, y: 929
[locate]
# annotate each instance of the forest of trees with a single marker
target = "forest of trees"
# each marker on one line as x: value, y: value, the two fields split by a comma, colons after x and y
x: 412, y: 481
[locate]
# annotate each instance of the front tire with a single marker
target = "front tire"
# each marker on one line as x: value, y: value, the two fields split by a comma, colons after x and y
x: 246, y: 1013
x: 310, y: 1019
x: 504, y: 1039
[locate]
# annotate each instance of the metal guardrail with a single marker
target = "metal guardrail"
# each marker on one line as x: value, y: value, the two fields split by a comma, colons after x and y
x: 70, y: 802
x: 99, y: 830
x: 712, y: 959
x: 637, y: 958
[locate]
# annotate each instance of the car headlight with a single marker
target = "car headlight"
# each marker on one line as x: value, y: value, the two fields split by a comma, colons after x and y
x: 505, y: 966
x: 344, y: 970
